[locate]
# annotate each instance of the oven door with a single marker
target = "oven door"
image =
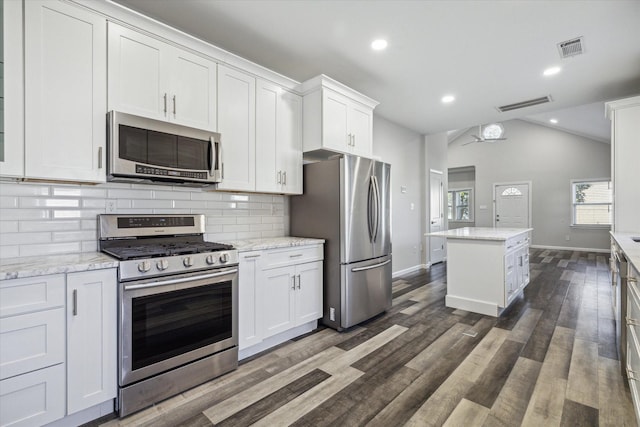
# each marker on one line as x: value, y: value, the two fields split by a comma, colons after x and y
x: 168, y: 322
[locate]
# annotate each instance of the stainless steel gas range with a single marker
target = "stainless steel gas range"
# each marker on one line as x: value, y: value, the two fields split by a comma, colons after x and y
x: 178, y: 305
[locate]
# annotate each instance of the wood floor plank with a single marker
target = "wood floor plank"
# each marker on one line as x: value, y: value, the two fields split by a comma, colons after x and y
x: 435, y: 411
x: 439, y: 348
x: 583, y: 373
x: 568, y: 317
x: 616, y: 408
x: 525, y: 326
x: 478, y: 360
x: 467, y: 413
x: 607, y: 344
x: 488, y: 386
x: 576, y: 414
x: 511, y: 404
x: 546, y: 403
x: 269, y: 403
x: 558, y: 358
x: 587, y: 326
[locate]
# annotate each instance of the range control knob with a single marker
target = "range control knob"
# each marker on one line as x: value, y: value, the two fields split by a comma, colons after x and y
x: 188, y: 261
x: 224, y: 258
x: 163, y: 264
x: 210, y: 259
x: 144, y: 266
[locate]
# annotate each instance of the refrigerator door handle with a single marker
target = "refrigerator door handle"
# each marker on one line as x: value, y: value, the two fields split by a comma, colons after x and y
x: 370, y: 201
x: 376, y: 193
x: 370, y: 267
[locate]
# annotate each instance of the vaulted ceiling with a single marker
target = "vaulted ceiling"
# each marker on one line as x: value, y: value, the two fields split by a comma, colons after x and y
x: 485, y: 53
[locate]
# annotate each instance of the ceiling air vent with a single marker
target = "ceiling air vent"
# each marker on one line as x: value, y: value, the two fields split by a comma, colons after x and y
x: 571, y: 47
x: 524, y: 104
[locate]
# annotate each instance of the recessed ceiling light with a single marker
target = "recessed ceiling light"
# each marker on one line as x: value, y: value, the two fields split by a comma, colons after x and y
x: 554, y: 121
x: 448, y: 98
x: 379, y: 44
x: 551, y: 71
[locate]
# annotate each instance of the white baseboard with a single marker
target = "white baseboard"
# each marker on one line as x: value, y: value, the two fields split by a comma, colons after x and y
x: 410, y: 270
x: 566, y: 248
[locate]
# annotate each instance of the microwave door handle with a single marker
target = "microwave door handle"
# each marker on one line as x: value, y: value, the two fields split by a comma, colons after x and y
x: 215, y: 148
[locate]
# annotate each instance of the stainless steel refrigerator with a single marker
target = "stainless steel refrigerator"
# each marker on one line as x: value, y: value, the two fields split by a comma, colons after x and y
x: 346, y: 201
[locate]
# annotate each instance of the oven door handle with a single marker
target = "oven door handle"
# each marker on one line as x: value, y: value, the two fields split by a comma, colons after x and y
x: 177, y: 281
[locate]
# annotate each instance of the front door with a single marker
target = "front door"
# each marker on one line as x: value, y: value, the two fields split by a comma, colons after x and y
x: 512, y: 205
x: 436, y: 244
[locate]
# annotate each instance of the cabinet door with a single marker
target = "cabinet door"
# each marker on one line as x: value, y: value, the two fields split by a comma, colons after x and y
x: 138, y: 73
x: 91, y: 338
x: 236, y: 124
x: 268, y: 172
x: 335, y: 131
x: 278, y: 293
x: 289, y: 131
x: 33, y: 399
x: 510, y: 277
x: 193, y: 91
x: 308, y: 295
x: 11, y: 92
x: 360, y: 127
x: 250, y: 301
x: 65, y: 92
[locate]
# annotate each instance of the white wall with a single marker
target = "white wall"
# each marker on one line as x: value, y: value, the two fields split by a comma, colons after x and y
x: 42, y: 219
x: 404, y: 149
x: 548, y: 158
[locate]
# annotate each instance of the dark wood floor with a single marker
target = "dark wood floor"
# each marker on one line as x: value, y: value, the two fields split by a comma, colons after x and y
x: 549, y: 360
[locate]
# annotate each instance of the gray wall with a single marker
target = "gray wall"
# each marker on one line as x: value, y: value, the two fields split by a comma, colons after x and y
x: 404, y: 149
x: 548, y: 158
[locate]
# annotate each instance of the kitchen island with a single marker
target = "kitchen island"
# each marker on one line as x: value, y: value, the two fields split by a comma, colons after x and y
x: 486, y: 267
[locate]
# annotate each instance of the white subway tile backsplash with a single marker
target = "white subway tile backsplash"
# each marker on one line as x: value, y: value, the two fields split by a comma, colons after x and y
x: 38, y: 219
x: 62, y: 225
x: 49, y: 249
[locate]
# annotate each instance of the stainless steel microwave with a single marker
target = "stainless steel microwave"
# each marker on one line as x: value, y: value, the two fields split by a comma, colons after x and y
x: 147, y: 150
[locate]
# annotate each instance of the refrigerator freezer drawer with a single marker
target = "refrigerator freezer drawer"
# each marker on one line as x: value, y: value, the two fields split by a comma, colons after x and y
x: 366, y: 290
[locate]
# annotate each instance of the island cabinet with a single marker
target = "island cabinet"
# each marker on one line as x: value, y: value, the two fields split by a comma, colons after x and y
x: 58, y: 348
x: 152, y: 78
x: 336, y: 118
x: 487, y: 268
x: 280, y: 295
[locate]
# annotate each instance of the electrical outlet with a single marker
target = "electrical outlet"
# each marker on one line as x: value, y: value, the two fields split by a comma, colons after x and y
x: 111, y: 206
x: 567, y: 237
x: 332, y: 314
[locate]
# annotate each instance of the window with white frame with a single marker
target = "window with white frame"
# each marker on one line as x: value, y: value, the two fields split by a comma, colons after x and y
x: 460, y: 205
x: 592, y: 201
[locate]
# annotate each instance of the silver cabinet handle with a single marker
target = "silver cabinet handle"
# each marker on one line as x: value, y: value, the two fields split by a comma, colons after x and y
x: 284, y: 178
x: 75, y: 302
x: 251, y: 256
x: 165, y: 103
x: 632, y: 280
x: 279, y: 181
x: 298, y: 281
x: 294, y: 282
x: 631, y: 374
x: 99, y: 157
x: 632, y: 322
x: 295, y: 256
x: 174, y: 105
x: 353, y: 143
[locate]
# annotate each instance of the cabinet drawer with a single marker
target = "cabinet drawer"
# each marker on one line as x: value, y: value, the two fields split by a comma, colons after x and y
x: 20, y: 296
x: 633, y: 307
x: 33, y: 399
x: 633, y: 368
x: 513, y: 242
x: 31, y: 341
x: 281, y: 257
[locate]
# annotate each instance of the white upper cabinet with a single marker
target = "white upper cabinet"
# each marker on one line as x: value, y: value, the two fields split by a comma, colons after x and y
x: 65, y: 92
x: 625, y: 152
x: 278, y: 140
x: 336, y: 118
x: 237, y: 127
x: 12, y: 97
x: 154, y: 79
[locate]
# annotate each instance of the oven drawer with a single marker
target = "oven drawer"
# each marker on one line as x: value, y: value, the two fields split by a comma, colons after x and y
x: 274, y: 258
x: 31, y: 294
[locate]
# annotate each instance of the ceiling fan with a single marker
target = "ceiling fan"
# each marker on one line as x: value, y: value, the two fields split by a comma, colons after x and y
x: 491, y: 132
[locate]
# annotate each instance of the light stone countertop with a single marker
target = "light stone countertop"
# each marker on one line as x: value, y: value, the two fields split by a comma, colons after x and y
x: 630, y: 248
x: 480, y: 233
x: 272, y: 243
x: 16, y: 268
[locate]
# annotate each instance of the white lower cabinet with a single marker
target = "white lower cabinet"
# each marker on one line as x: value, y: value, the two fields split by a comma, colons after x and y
x: 57, y: 355
x: 280, y: 290
x: 92, y: 319
x: 633, y: 338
